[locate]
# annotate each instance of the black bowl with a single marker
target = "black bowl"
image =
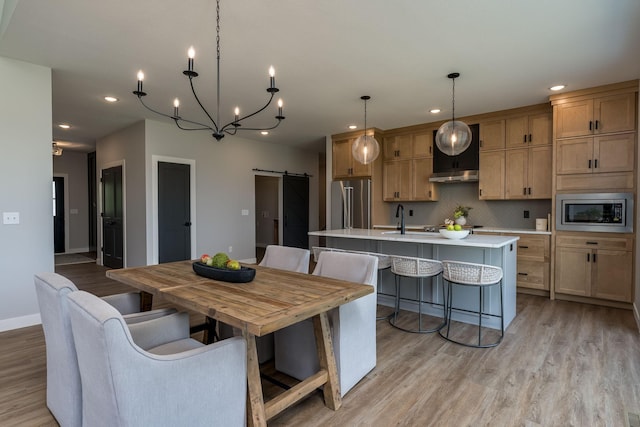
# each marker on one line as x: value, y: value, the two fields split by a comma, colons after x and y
x: 244, y: 275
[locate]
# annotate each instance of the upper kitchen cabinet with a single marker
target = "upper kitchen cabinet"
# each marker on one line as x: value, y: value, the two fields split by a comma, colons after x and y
x: 344, y: 165
x: 492, y: 134
x: 423, y: 144
x: 595, y: 115
x: 398, y: 147
x: 529, y: 130
x: 595, y: 138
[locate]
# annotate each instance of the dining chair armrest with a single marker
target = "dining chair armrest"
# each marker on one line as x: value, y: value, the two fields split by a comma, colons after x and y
x: 143, y: 316
x: 165, y: 329
x: 125, y: 303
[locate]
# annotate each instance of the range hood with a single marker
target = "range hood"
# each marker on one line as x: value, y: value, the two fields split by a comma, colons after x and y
x: 455, y: 176
x: 461, y: 168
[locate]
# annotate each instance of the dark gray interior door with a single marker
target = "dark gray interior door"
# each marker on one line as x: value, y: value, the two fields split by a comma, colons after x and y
x: 58, y: 214
x: 112, y: 214
x: 174, y: 212
x: 295, y: 206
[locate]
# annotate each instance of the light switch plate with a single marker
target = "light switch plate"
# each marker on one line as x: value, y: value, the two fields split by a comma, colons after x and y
x: 245, y: 212
x: 11, y: 218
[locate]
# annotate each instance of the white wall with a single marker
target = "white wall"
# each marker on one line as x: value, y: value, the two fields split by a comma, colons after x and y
x: 225, y: 182
x: 25, y: 186
x: 267, y: 208
x: 127, y: 148
x: 74, y: 166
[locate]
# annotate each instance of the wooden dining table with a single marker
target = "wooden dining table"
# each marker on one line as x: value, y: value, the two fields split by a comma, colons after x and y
x: 274, y: 299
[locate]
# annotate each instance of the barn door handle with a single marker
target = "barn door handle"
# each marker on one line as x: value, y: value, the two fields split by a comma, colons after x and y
x: 187, y: 224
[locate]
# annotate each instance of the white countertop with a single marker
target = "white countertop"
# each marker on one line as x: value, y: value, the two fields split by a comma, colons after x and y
x: 472, y: 240
x: 475, y: 230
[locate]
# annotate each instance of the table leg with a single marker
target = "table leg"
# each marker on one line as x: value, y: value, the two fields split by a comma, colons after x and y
x: 146, y: 301
x: 327, y: 360
x: 256, y: 415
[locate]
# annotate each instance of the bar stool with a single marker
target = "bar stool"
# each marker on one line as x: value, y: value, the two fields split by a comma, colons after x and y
x: 419, y: 268
x: 480, y: 276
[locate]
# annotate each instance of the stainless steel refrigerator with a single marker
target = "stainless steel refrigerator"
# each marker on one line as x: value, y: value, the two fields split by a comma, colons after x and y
x: 351, y: 204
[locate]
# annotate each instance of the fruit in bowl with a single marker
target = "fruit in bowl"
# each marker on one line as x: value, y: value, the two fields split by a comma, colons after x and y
x: 454, y: 234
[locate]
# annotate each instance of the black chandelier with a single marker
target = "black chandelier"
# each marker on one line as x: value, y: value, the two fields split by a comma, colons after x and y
x: 216, y: 126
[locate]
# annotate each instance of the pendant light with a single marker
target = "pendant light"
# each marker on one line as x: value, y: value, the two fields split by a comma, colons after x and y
x: 453, y: 137
x: 365, y: 148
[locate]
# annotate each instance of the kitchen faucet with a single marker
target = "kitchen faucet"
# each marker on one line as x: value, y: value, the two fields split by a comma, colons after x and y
x: 398, y: 210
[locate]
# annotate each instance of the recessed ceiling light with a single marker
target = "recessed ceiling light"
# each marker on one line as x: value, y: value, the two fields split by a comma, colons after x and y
x: 353, y: 126
x: 434, y: 111
x: 111, y: 99
x: 557, y: 87
x: 264, y: 132
x: 64, y: 126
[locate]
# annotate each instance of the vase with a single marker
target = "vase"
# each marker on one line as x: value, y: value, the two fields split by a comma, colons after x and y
x: 461, y: 220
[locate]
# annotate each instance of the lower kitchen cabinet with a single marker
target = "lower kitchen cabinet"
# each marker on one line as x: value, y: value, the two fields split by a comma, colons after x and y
x: 532, y: 261
x: 594, y: 267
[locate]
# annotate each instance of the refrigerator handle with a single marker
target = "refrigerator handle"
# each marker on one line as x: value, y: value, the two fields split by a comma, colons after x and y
x: 348, y: 207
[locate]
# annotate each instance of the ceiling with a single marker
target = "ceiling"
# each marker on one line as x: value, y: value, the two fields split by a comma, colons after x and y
x: 326, y: 55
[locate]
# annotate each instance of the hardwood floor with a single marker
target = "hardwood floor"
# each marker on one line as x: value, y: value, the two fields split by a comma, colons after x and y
x: 560, y: 364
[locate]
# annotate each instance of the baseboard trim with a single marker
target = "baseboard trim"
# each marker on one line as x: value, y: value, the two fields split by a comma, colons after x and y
x: 20, y: 322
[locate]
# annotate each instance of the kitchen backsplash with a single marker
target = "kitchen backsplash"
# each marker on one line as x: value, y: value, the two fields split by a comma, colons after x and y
x: 493, y: 213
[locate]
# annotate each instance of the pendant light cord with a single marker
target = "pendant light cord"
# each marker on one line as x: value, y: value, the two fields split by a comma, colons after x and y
x: 453, y: 101
x: 365, y: 117
x: 218, y: 56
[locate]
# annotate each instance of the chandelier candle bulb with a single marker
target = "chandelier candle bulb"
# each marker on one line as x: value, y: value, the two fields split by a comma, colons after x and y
x: 191, y: 53
x: 272, y: 77
x: 280, y: 107
x: 237, y: 114
x: 176, y: 104
x: 140, y: 79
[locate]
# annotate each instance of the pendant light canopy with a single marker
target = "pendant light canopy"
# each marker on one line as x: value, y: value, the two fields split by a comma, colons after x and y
x: 365, y: 148
x: 453, y: 137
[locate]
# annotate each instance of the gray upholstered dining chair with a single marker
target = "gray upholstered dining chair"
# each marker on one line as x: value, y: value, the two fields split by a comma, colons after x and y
x: 353, y: 326
x: 63, y: 379
x: 284, y: 258
x: 171, y: 384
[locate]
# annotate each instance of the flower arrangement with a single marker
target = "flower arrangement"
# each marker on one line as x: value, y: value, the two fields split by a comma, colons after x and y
x: 461, y: 211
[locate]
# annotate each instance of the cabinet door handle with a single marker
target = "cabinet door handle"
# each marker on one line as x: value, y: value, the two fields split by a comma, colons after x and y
x: 595, y: 164
x: 590, y: 125
x: 588, y: 257
x: 524, y: 191
x: 524, y: 247
x: 594, y: 255
x: 597, y: 123
x: 429, y: 193
x: 529, y: 190
x: 522, y: 274
x: 529, y: 137
x: 480, y: 191
x: 481, y: 142
x: 524, y: 138
x: 589, y: 164
x: 592, y: 243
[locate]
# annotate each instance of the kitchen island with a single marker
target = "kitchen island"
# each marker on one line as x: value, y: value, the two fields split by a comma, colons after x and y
x: 500, y: 251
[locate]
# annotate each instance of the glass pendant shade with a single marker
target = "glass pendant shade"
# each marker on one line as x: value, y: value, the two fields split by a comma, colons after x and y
x: 365, y: 149
x: 453, y: 137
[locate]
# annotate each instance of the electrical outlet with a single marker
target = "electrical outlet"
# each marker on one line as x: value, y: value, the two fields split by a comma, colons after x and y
x: 410, y: 212
x: 526, y: 214
x: 11, y: 218
x: 230, y: 249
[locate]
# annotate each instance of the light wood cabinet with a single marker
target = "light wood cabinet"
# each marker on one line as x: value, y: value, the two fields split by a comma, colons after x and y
x: 599, y: 154
x: 594, y: 266
x: 344, y: 165
x: 492, y: 135
x: 423, y: 144
x: 396, y: 184
x: 532, y: 261
x: 492, y: 175
x: 398, y: 147
x: 422, y: 189
x: 528, y: 173
x: 596, y: 115
x: 529, y: 130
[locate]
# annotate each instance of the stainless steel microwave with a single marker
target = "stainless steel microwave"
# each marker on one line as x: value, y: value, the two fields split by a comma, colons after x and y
x: 601, y: 212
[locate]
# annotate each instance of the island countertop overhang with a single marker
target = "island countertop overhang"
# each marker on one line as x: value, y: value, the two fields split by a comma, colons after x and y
x: 472, y: 240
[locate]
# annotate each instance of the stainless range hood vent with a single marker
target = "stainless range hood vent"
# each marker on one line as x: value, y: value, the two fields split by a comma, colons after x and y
x: 457, y: 176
